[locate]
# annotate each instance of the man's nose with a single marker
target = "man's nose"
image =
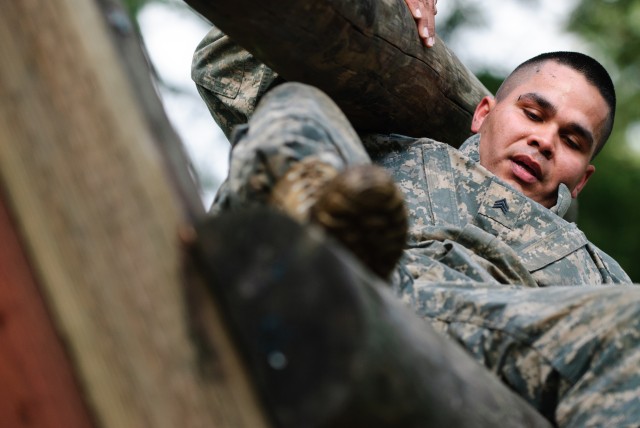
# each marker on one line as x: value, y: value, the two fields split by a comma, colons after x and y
x: 544, y: 139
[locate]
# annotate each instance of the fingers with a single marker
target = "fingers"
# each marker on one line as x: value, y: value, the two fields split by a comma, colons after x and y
x: 429, y: 35
x: 424, y: 12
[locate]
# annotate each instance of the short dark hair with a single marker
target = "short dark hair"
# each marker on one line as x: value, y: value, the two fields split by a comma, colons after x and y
x: 590, y: 68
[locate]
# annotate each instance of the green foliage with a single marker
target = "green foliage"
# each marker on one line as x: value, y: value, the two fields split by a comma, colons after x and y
x: 490, y: 80
x: 464, y: 13
x: 607, y: 210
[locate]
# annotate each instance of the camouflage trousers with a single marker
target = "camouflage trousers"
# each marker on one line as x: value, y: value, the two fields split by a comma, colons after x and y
x: 573, y: 352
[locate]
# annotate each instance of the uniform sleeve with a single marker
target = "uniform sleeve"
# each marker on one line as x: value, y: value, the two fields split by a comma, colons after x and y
x: 229, y: 79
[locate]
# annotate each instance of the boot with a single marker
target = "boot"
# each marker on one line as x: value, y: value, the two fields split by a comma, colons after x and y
x: 360, y: 207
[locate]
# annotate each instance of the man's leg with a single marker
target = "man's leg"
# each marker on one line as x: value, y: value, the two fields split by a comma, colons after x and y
x: 293, y: 122
x: 300, y: 154
x: 573, y: 352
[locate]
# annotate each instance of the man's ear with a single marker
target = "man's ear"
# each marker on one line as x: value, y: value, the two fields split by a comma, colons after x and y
x: 583, y: 181
x: 482, y: 110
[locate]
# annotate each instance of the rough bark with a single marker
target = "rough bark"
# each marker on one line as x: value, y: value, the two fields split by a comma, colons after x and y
x: 365, y: 54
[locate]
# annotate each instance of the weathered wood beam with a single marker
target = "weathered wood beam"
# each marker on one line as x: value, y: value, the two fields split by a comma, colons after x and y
x: 365, y: 54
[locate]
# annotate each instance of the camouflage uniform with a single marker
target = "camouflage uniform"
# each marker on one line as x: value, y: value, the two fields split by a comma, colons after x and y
x: 480, y: 258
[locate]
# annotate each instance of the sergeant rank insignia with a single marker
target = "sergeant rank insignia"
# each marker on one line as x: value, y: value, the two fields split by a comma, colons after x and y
x: 501, y: 204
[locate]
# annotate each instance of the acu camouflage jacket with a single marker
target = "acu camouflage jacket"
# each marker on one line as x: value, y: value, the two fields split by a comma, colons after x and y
x: 465, y: 223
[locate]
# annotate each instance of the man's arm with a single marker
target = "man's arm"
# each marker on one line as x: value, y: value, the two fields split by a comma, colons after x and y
x: 229, y: 79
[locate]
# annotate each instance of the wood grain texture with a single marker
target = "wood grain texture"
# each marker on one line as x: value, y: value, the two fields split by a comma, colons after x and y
x: 99, y: 213
x: 365, y: 54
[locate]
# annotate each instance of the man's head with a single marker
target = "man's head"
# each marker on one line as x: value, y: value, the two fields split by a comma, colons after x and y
x: 549, y: 118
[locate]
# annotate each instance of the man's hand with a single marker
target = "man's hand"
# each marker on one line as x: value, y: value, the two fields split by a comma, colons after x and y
x: 424, y: 12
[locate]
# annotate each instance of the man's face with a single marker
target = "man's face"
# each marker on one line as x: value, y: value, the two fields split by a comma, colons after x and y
x: 543, y: 132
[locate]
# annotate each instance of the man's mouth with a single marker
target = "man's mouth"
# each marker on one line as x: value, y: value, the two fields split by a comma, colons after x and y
x: 526, y: 169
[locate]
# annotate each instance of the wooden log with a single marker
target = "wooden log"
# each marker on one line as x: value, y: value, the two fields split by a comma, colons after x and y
x: 85, y: 178
x: 330, y: 345
x: 365, y: 54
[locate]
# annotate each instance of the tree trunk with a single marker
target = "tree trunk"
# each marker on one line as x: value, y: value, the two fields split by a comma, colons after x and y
x: 365, y: 54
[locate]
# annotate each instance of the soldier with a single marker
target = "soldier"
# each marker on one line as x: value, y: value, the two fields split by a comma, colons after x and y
x: 489, y: 260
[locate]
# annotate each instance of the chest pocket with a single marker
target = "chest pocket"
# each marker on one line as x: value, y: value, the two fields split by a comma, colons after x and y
x: 552, y: 249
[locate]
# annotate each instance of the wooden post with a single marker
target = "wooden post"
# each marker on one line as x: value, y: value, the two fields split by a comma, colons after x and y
x: 365, y: 54
x: 99, y: 212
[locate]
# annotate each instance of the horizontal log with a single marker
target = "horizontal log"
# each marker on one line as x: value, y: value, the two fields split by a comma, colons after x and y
x: 366, y: 55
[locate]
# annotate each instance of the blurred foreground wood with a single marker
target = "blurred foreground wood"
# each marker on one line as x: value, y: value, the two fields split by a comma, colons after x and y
x: 365, y: 54
x: 94, y: 179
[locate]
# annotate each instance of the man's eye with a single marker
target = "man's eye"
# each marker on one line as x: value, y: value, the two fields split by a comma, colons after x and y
x: 571, y: 143
x: 531, y: 115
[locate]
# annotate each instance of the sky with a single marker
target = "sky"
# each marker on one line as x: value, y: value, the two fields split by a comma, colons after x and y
x: 516, y: 31
x: 170, y: 53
